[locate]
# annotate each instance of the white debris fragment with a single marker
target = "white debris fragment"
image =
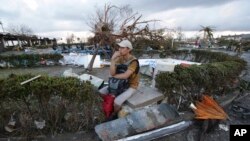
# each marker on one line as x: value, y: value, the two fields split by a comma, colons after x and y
x: 9, y: 128
x: 40, y: 124
x: 223, y: 127
x: 69, y: 73
x: 192, y: 106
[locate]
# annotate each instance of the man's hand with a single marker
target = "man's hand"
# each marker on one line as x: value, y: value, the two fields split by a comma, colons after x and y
x: 113, y: 61
x: 115, y: 55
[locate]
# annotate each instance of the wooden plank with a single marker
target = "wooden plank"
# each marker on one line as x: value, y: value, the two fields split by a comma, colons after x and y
x: 31, y: 79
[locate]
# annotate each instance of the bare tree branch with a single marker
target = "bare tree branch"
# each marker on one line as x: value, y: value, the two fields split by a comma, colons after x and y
x: 112, y: 23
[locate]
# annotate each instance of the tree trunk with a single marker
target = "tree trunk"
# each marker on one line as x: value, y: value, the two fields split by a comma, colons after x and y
x: 91, y: 63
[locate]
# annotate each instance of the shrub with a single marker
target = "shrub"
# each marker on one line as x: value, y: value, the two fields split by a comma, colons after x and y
x: 213, y: 77
x: 65, y: 104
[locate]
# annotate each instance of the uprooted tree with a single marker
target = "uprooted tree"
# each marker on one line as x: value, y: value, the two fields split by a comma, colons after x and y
x: 208, y: 34
x: 113, y: 24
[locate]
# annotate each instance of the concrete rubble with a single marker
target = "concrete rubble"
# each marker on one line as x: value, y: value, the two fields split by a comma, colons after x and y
x: 137, y: 122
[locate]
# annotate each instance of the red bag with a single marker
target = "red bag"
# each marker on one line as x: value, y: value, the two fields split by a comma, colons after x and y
x: 107, y: 105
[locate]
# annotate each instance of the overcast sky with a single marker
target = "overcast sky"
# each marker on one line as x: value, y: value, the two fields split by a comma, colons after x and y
x: 62, y: 17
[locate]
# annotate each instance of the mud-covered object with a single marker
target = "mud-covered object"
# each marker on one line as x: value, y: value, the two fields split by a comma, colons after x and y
x: 139, y: 121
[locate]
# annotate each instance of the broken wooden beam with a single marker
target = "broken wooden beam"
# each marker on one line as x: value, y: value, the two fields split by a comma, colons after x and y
x: 31, y: 79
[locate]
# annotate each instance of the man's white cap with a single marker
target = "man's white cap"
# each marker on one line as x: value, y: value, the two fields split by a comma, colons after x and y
x: 126, y: 43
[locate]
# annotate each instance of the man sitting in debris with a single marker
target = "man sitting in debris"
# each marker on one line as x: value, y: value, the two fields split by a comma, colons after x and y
x: 124, y: 78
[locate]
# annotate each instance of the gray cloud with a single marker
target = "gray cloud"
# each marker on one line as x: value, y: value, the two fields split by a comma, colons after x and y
x: 72, y: 15
x: 163, y: 5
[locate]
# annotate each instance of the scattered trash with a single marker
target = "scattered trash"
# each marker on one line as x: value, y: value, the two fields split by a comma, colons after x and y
x: 10, y: 127
x: 124, y: 111
x: 96, y: 81
x: 69, y: 73
x: 158, y: 133
x: 43, y: 61
x: 241, y: 110
x: 79, y: 59
x: 40, y: 124
x: 223, y: 127
x: 50, y: 63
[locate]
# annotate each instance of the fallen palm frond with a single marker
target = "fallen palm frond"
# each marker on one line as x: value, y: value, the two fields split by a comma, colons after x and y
x: 208, y: 108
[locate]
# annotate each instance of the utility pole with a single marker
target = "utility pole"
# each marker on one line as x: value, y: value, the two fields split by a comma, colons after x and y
x: 2, y: 25
x: 172, y: 44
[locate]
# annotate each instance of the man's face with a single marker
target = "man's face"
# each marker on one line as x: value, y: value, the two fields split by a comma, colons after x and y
x: 124, y: 51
